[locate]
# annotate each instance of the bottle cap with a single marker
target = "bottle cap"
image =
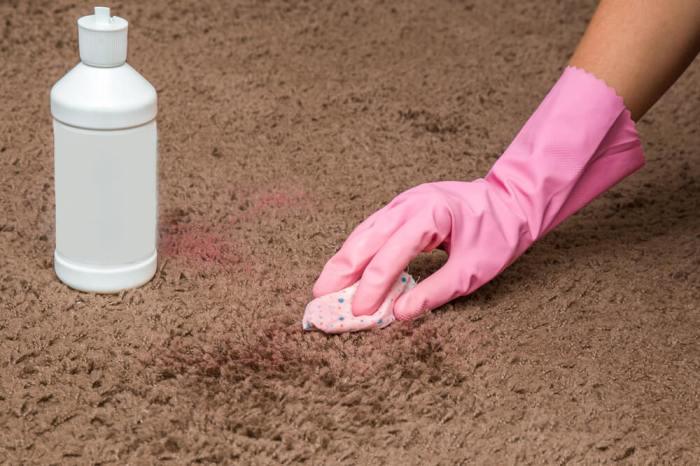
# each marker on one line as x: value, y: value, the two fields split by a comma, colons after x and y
x: 102, y: 38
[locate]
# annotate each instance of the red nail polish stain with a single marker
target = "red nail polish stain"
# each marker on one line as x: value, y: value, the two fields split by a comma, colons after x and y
x: 278, y: 199
x: 253, y: 204
x: 195, y: 244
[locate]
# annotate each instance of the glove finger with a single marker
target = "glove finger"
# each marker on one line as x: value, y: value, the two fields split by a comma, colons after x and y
x: 347, y: 265
x: 441, y: 287
x: 387, y: 264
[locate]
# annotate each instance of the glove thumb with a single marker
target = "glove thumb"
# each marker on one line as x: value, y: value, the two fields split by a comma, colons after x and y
x: 429, y: 294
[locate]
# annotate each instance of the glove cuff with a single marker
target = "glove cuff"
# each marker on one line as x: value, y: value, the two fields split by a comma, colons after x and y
x: 580, y: 141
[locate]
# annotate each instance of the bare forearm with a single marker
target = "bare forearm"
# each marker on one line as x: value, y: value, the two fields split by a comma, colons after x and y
x: 640, y: 47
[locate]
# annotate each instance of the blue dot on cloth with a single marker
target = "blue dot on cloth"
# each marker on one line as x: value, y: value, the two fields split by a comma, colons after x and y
x: 341, y: 318
x: 403, y: 279
x: 341, y: 300
x: 379, y: 322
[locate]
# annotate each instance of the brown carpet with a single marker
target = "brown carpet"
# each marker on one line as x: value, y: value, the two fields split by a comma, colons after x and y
x: 282, y: 125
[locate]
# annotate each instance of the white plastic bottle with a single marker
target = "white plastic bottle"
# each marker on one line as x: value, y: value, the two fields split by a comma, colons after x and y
x: 105, y: 156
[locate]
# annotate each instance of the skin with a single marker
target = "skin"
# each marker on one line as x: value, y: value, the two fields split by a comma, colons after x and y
x: 640, y: 47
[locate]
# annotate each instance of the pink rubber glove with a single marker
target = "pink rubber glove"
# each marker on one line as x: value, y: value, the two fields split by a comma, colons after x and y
x: 579, y: 142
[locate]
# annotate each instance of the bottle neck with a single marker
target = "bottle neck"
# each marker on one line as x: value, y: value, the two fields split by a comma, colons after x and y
x: 93, y: 65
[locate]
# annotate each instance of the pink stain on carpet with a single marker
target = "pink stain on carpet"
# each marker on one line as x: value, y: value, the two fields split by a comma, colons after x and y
x: 278, y: 199
x: 195, y: 245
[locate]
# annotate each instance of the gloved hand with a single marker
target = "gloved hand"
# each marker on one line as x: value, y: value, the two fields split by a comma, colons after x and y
x: 578, y: 143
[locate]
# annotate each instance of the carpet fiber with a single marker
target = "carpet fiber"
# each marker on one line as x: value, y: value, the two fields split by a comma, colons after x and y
x: 282, y: 125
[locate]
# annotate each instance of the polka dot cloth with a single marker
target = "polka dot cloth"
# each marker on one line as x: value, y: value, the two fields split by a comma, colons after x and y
x: 332, y: 313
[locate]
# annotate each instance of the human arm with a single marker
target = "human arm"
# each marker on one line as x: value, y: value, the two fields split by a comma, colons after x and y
x: 640, y: 47
x: 578, y: 143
